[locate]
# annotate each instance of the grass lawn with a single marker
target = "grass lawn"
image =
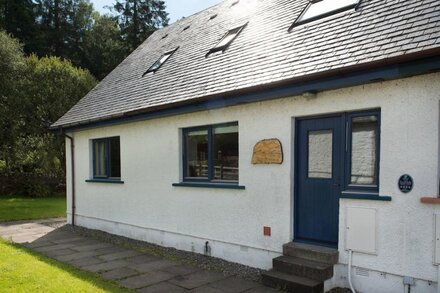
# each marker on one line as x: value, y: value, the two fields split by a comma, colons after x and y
x: 24, y: 271
x: 13, y: 208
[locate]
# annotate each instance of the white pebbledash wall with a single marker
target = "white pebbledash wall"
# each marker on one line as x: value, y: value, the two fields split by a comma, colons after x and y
x: 149, y: 208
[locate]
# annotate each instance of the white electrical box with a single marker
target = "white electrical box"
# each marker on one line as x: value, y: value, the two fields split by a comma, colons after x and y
x: 437, y: 239
x: 360, y: 230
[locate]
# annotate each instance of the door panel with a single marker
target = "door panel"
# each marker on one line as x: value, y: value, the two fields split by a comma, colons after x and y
x: 319, y: 155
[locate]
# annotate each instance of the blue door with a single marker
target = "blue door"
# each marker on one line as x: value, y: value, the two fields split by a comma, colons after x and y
x: 319, y: 156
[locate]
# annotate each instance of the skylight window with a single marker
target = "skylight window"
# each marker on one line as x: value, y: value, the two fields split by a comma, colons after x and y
x: 160, y: 62
x: 213, y: 16
x: 235, y: 3
x: 226, y: 40
x: 322, y: 8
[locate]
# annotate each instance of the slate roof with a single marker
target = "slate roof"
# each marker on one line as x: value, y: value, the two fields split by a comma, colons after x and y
x: 264, y: 53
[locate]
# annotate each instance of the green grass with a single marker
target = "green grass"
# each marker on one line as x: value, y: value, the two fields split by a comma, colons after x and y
x: 24, y: 271
x: 13, y: 208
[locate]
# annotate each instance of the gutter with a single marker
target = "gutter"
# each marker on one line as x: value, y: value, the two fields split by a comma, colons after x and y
x: 72, y: 164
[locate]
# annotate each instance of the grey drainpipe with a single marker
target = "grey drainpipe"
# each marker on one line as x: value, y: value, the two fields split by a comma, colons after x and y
x: 72, y: 164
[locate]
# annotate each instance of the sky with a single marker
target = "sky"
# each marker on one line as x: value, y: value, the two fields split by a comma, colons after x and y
x: 176, y: 8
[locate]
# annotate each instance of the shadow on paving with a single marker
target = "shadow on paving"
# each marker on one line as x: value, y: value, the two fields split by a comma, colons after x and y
x: 130, y: 268
x: 91, y: 278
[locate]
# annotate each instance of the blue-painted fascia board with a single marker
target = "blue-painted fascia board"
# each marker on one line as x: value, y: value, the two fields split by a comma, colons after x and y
x: 387, y: 72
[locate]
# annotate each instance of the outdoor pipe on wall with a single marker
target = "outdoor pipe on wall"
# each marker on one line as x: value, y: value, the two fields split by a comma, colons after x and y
x: 72, y: 164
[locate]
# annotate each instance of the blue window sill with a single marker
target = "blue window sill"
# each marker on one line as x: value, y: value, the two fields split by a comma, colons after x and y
x: 365, y: 196
x: 113, y: 181
x: 209, y: 185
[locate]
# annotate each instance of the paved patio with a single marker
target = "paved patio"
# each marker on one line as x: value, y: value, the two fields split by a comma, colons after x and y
x: 130, y: 268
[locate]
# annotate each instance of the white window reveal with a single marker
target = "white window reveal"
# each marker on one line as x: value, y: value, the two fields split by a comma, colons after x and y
x: 322, y: 8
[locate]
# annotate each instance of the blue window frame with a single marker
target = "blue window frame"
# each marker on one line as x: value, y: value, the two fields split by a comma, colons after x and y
x: 362, y: 151
x: 107, y: 158
x: 210, y: 153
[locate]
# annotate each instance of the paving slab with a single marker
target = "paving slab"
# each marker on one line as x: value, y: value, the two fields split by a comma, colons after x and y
x: 152, y: 266
x: 85, y: 262
x: 207, y: 289
x: 120, y: 273
x: 262, y: 289
x: 234, y: 285
x: 181, y: 270
x: 163, y: 287
x: 144, y: 258
x: 60, y: 252
x: 109, y: 250
x: 119, y: 255
x: 50, y: 248
x: 77, y: 255
x: 146, y: 280
x: 92, y: 246
x: 106, y: 266
x: 196, y: 279
x: 38, y: 243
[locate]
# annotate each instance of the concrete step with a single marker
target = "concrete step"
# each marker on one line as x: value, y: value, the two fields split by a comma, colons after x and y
x: 303, y: 268
x: 291, y: 283
x: 311, y: 252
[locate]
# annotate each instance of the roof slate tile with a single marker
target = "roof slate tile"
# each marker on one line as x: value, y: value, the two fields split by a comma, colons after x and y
x: 264, y: 52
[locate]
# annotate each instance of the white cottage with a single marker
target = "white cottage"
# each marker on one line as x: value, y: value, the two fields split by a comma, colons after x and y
x: 285, y: 135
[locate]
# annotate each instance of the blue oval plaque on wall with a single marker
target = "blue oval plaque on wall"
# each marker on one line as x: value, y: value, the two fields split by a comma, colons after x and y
x: 406, y: 183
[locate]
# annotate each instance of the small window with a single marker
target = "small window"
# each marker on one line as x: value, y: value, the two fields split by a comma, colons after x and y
x: 235, y: 3
x: 160, y: 62
x: 213, y: 16
x: 226, y: 40
x: 322, y: 8
x: 211, y: 153
x: 320, y: 154
x: 362, y: 154
x: 107, y: 158
x: 186, y: 27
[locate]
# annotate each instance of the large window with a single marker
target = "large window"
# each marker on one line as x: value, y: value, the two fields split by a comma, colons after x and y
x: 106, y: 158
x: 211, y: 153
x: 226, y: 40
x: 362, y: 151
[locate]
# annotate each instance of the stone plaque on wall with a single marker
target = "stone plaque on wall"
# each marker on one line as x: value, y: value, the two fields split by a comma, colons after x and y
x: 268, y: 151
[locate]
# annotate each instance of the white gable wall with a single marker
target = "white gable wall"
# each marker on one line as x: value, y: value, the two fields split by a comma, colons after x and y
x: 149, y: 208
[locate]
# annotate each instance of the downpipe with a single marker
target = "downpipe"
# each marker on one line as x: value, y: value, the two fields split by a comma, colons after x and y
x: 72, y: 165
x: 350, y: 262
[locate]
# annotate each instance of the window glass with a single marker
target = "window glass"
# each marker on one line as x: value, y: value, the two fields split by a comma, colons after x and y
x: 227, y: 39
x: 320, y: 154
x: 100, y: 153
x: 197, y: 154
x: 226, y: 152
x: 363, y: 150
x: 318, y: 8
x: 115, y: 157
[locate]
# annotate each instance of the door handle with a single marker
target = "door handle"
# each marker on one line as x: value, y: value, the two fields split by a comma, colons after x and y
x: 336, y: 184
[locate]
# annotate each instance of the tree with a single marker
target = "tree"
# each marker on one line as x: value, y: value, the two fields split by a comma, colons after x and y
x: 17, y: 17
x: 12, y: 69
x: 34, y: 93
x: 138, y: 19
x: 63, y: 24
x: 103, y: 48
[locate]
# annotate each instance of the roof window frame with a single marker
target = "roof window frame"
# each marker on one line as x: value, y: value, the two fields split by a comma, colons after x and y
x: 223, y: 48
x: 153, y: 68
x: 299, y: 22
